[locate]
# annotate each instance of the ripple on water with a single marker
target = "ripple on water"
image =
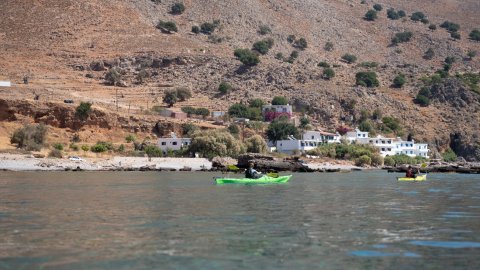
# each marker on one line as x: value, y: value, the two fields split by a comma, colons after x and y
x: 446, y: 244
x: 375, y: 253
x: 455, y: 214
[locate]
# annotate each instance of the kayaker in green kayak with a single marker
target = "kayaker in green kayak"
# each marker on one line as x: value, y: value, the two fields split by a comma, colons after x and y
x: 251, y: 173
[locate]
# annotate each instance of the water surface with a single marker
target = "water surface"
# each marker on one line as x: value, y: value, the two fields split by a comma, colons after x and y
x: 135, y: 220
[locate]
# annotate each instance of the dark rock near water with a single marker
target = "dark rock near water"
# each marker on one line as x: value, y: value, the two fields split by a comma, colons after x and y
x: 269, y: 163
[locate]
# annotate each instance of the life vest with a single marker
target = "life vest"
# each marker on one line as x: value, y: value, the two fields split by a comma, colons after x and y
x: 249, y: 173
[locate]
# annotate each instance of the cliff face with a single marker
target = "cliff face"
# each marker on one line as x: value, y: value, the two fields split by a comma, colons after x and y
x: 54, y: 43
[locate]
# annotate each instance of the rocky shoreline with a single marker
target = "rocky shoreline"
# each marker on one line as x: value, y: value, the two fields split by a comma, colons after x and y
x: 264, y: 163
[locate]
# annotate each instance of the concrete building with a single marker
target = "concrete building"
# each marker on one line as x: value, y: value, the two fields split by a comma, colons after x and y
x: 272, y: 112
x: 173, y: 143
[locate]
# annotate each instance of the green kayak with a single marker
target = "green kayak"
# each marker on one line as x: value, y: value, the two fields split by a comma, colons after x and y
x: 262, y: 180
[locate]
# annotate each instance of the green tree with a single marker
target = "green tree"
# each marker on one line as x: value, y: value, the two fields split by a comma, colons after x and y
x: 167, y: 26
x: 279, y: 100
x: 30, y: 137
x: 170, y: 98
x: 85, y: 148
x: 367, y: 78
x: 183, y: 93
x: 389, y: 161
x: 208, y: 28
x: 195, y: 29
x: 399, y: 81
x: 280, y: 130
x: 418, y: 16
x: 304, y: 122
x: 256, y: 144
x: 422, y: 100
x: 83, y: 110
x: 234, y: 129
x: 238, y: 110
x: 377, y: 7
x: 450, y: 26
x: 214, y: 143
x: 178, y: 8
x: 449, y: 155
x: 247, y: 57
x: 349, y: 58
x: 402, y: 37
x: 263, y: 46
x: 392, y: 14
x: 365, y: 126
x: 328, y: 73
x: 224, y: 88
x: 371, y: 15
x: 301, y: 43
x: 475, y: 35
x: 256, y: 103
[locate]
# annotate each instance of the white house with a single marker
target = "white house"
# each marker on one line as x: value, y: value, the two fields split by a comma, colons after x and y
x: 321, y: 136
x: 173, y: 143
x: 271, y: 112
x: 389, y: 146
x: 356, y: 135
x: 293, y: 145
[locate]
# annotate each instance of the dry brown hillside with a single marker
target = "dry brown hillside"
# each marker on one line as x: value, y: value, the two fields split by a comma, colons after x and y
x: 55, y: 42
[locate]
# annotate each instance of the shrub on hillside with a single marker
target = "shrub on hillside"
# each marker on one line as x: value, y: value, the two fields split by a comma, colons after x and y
x: 263, y: 46
x: 113, y: 76
x: 401, y: 13
x: 224, y: 88
x: 264, y: 30
x: 208, y: 28
x: 367, y: 79
x: 422, y: 100
x: 170, y: 98
x: 324, y: 64
x: 377, y: 7
x: 371, y: 15
x: 292, y: 57
x: 247, y: 57
x: 392, y: 14
x: 455, y: 35
x: 328, y: 73
x: 256, y: 103
x: 58, y: 146
x: 238, y: 110
x: 279, y: 100
x: 475, y: 35
x: 328, y: 46
x: 429, y: 54
x: 83, y: 110
x: 368, y: 64
x: 432, y: 27
x: 450, y: 26
x: 301, y: 43
x: 195, y: 29
x: 399, y: 81
x: 402, y: 37
x: 418, y: 16
x: 183, y: 93
x: 130, y: 138
x: 167, y: 26
x: 30, y: 137
x: 178, y: 8
x: 349, y: 58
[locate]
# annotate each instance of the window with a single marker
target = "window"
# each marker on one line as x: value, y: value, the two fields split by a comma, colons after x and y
x: 284, y: 110
x: 389, y: 149
x: 302, y: 144
x: 164, y: 143
x: 185, y: 143
x: 174, y: 143
x: 313, y: 137
x: 383, y: 149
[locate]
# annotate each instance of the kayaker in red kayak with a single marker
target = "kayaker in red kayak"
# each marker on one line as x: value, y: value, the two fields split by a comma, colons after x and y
x: 410, y: 173
x: 251, y: 172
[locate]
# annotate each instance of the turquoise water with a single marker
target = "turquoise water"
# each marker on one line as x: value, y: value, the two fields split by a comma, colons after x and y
x: 134, y: 220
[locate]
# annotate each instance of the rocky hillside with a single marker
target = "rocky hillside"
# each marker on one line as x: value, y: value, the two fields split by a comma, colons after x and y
x: 66, y: 47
